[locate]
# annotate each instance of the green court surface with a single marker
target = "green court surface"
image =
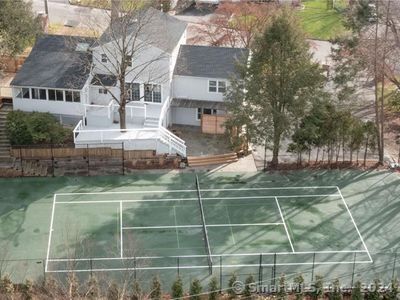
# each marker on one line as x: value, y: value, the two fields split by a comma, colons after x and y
x: 329, y: 221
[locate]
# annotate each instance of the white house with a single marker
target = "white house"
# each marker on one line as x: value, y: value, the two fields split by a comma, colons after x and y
x: 168, y: 82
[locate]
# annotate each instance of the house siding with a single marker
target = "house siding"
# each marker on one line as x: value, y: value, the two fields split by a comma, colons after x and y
x: 184, y: 116
x: 195, y: 88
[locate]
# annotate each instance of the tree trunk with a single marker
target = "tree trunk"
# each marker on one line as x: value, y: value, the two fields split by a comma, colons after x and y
x: 122, y: 117
x: 316, y: 159
x: 351, y: 155
x: 366, y: 150
x: 275, y: 149
x: 122, y: 104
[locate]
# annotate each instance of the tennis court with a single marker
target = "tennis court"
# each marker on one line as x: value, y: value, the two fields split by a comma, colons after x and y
x: 202, y: 227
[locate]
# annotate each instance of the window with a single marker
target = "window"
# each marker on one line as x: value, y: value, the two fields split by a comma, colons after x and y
x: 23, y: 93
x: 129, y: 60
x: 103, y: 91
x: 68, y: 96
x: 35, y: 93
x: 216, y: 86
x: 221, y: 86
x: 152, y: 93
x: 104, y: 58
x: 52, y: 95
x: 205, y: 111
x: 212, y: 86
x: 133, y: 91
x: 59, y: 95
x: 77, y: 96
x: 42, y: 94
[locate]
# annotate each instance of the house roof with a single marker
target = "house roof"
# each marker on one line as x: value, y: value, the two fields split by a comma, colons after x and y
x: 210, y: 62
x: 104, y: 80
x: 151, y: 26
x: 56, y: 61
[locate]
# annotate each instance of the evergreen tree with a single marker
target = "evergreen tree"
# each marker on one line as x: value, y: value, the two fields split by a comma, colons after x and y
x: 213, y: 289
x: 279, y: 83
x: 281, y: 293
x: 155, y: 293
x: 113, y: 291
x: 335, y: 293
x: 195, y: 289
x: 318, y: 288
x: 299, y: 286
x: 177, y: 288
x: 247, y: 287
x: 231, y: 290
x: 374, y: 291
x: 393, y: 292
x: 356, y: 293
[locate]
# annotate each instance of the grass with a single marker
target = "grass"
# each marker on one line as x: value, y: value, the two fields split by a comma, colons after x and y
x: 322, y: 23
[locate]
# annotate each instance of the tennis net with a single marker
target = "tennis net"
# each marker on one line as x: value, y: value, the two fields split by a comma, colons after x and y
x: 203, y: 221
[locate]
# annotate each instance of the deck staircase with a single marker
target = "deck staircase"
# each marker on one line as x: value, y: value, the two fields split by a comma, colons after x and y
x: 205, y: 160
x: 5, y: 146
x: 151, y: 123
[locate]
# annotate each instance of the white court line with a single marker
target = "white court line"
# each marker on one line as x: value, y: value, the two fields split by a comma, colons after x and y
x: 355, y: 225
x: 194, y: 199
x: 120, y: 230
x: 50, y: 232
x: 207, y: 266
x: 203, y: 190
x: 200, y: 226
x: 202, y: 255
x: 284, y: 224
x: 176, y: 224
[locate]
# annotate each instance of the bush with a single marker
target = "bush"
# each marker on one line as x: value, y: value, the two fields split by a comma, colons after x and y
x: 25, y: 128
x: 195, y: 289
x: 177, y: 288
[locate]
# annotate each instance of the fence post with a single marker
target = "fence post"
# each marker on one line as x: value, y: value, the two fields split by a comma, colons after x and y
x: 123, y: 158
x: 220, y: 274
x: 88, y: 159
x: 394, y: 265
x: 20, y: 160
x: 134, y: 268
x: 44, y: 270
x: 177, y: 264
x: 312, y: 270
x: 274, y: 271
x: 260, y: 271
x: 91, y: 268
x: 354, y: 268
x: 52, y: 158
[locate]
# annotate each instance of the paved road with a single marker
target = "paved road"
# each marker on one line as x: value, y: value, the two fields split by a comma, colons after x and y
x: 60, y: 12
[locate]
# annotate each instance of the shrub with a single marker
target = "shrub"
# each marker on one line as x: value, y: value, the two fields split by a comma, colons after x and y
x: 231, y: 290
x: 213, y: 289
x: 177, y: 288
x: 195, y: 290
x: 155, y: 289
x: 25, y: 128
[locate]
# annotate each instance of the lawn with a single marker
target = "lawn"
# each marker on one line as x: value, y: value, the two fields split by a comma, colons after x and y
x: 322, y: 23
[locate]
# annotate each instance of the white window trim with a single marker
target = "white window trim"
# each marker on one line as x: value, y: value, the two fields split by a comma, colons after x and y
x: 161, y: 93
x: 19, y: 89
x: 202, y: 112
x: 217, y: 86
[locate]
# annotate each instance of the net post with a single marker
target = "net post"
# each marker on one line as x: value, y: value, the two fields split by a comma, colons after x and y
x: 353, y: 271
x: 203, y: 220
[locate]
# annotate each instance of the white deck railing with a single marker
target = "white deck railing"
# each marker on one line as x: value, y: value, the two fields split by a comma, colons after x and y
x: 104, y: 136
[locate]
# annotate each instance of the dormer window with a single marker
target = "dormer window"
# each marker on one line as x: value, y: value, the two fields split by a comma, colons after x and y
x: 129, y: 60
x: 104, y: 58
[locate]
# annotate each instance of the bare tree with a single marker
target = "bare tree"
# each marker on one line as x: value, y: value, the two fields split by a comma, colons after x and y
x: 235, y: 24
x: 124, y: 52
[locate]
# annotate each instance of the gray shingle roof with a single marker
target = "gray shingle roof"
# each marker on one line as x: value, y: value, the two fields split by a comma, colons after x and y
x: 210, y: 62
x: 104, y: 80
x: 55, y: 63
x: 151, y: 26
